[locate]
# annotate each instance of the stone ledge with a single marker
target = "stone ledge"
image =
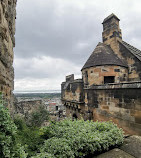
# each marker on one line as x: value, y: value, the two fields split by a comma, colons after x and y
x: 115, y: 153
x: 72, y: 101
x: 127, y: 85
x: 131, y: 148
x: 132, y: 145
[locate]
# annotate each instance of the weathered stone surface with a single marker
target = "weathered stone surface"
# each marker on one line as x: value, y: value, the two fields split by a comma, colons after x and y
x: 115, y: 153
x: 96, y: 74
x: 7, y: 42
x: 25, y: 107
x: 132, y: 145
x: 111, y: 84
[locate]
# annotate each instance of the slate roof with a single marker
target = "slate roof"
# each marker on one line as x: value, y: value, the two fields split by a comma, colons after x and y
x: 103, y: 55
x: 136, y: 52
x: 110, y: 16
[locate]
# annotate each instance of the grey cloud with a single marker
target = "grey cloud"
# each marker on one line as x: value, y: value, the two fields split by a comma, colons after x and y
x: 55, y: 28
x: 44, y: 67
x: 49, y: 32
x: 66, y: 31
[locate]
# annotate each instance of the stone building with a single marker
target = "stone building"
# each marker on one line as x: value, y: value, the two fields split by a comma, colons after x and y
x: 110, y: 88
x: 7, y: 42
x: 24, y: 107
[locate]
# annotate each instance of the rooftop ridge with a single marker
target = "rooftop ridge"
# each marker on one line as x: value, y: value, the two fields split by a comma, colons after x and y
x: 136, y: 52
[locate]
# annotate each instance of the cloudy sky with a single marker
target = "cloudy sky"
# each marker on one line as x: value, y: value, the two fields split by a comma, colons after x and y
x: 54, y: 38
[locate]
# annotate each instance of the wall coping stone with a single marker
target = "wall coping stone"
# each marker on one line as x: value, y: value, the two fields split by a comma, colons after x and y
x: 125, y: 85
x: 72, y: 101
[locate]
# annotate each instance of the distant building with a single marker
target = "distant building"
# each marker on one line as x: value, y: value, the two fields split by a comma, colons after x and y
x: 25, y: 107
x: 110, y: 88
x: 55, y: 107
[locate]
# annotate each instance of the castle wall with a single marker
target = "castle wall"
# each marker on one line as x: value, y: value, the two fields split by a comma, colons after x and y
x: 26, y: 107
x: 112, y: 36
x: 77, y: 110
x: 72, y: 90
x: 133, y: 63
x: 95, y: 75
x: 119, y: 103
x: 7, y: 42
x: 110, y: 92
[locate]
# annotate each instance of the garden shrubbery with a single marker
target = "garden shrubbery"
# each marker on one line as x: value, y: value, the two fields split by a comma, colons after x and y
x: 70, y: 139
x: 29, y: 137
x: 38, y: 117
x: 64, y: 139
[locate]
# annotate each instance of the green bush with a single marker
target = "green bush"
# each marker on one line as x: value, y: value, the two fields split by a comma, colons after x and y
x: 70, y: 139
x: 9, y: 148
x: 28, y: 130
x: 65, y: 139
x: 38, y: 117
x: 43, y: 155
x: 20, y: 123
x: 28, y: 136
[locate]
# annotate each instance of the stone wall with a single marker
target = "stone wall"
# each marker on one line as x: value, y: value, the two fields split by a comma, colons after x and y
x: 112, y: 34
x: 120, y: 103
x: 111, y: 92
x: 133, y: 62
x: 95, y: 75
x: 72, y: 90
x: 7, y: 42
x: 72, y: 96
x: 25, y: 107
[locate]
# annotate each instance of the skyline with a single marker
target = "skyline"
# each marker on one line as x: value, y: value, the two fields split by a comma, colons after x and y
x: 55, y: 38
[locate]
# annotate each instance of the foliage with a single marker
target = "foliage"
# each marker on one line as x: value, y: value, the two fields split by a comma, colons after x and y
x: 9, y: 147
x: 70, y: 139
x: 43, y: 155
x: 64, y: 139
x: 38, y: 117
x: 28, y: 136
x: 28, y: 130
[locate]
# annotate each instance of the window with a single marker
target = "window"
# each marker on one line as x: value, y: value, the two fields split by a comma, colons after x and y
x: 117, y: 70
x: 109, y: 79
x: 86, y: 77
x: 56, y: 108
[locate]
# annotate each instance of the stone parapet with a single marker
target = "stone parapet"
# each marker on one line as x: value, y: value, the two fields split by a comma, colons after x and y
x: 127, y: 85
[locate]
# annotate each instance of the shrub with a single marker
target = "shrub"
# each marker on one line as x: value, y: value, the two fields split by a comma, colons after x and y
x: 28, y: 136
x: 79, y: 138
x: 44, y: 155
x: 38, y: 117
x: 8, y: 145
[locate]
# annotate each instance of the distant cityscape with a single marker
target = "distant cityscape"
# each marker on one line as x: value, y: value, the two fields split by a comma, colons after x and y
x: 37, y: 91
x: 51, y: 101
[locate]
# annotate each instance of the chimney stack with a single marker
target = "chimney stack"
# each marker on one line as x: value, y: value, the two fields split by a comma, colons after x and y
x: 112, y: 32
x: 111, y: 29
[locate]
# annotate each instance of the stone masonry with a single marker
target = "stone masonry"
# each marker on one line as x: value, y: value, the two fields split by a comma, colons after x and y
x: 110, y: 88
x: 7, y: 42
